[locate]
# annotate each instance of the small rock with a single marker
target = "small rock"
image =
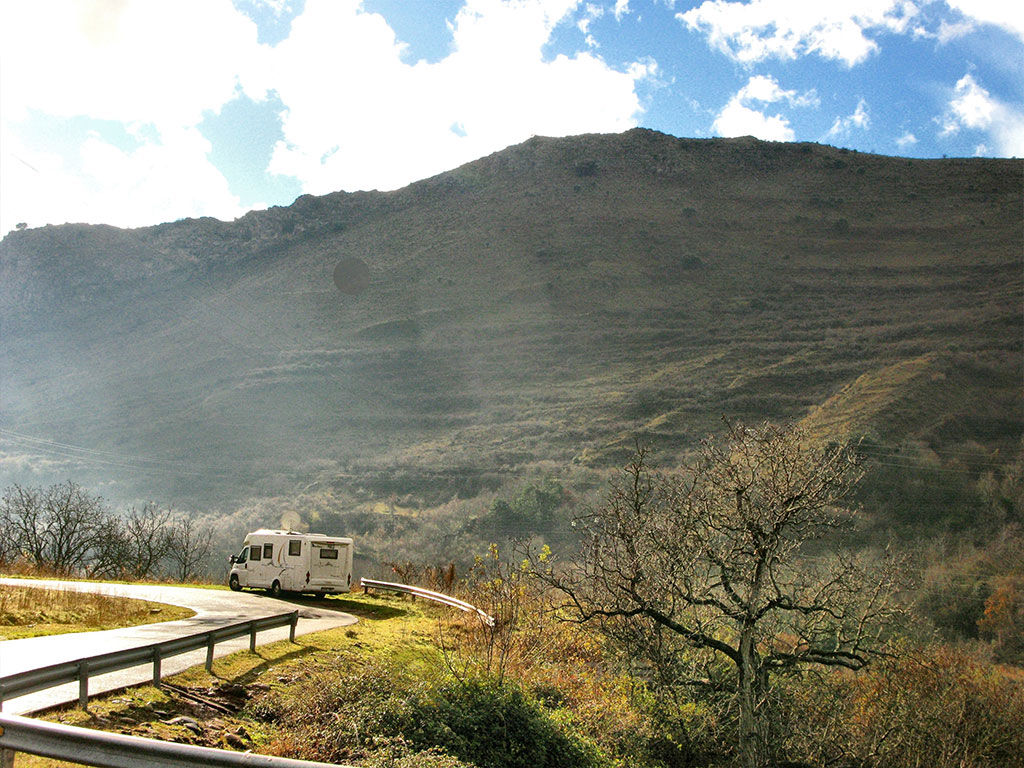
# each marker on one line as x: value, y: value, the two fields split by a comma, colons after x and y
x: 186, y: 722
x: 231, y: 740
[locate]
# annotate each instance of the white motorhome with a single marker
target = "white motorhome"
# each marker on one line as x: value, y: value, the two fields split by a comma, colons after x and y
x: 287, y: 561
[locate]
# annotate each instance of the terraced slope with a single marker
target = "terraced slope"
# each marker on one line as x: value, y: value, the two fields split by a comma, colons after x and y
x: 533, y: 310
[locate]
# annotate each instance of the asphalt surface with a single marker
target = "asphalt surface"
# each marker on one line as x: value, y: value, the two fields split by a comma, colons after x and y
x: 214, y: 608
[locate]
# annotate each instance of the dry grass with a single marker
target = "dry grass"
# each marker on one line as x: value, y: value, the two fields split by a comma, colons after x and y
x: 34, y: 611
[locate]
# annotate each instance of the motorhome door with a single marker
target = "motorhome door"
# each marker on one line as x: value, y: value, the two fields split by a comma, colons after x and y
x: 327, y: 561
x: 261, y: 569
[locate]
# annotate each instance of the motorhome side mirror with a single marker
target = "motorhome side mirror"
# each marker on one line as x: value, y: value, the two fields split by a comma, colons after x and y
x: 233, y: 559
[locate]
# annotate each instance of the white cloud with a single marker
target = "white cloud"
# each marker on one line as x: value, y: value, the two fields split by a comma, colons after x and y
x: 786, y: 29
x: 740, y: 118
x: 130, y: 61
x: 974, y: 108
x: 125, y: 60
x: 591, y: 13
x: 949, y: 30
x: 621, y: 9
x: 859, y: 119
x: 1005, y: 14
x: 391, y: 124
x: 277, y: 7
x: 158, y: 181
x: 356, y: 115
x: 906, y: 140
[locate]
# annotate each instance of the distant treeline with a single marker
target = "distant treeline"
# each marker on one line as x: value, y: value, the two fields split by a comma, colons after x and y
x: 64, y: 530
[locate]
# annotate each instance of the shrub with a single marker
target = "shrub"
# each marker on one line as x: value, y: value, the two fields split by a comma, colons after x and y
x: 380, y: 710
x: 496, y: 726
x: 1002, y: 621
x: 954, y: 607
x: 935, y: 706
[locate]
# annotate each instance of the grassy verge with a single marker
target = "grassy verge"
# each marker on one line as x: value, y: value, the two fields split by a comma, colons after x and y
x: 414, y: 685
x: 390, y: 692
x: 241, y: 679
x: 34, y: 611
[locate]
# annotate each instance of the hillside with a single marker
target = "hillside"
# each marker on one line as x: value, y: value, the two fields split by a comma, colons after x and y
x: 537, y: 309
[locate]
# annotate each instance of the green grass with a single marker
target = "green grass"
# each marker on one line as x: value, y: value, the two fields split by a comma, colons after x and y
x: 390, y: 627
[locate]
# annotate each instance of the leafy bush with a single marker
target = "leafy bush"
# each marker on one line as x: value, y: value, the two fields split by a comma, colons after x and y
x: 534, y: 509
x: 372, y: 711
x: 497, y: 726
x: 397, y: 753
x: 1002, y: 621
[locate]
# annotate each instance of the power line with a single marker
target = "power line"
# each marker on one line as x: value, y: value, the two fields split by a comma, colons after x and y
x: 104, y: 458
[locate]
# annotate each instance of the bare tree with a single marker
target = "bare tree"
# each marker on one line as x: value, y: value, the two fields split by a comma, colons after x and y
x: 111, y: 554
x: 716, y: 561
x: 188, y: 546
x: 148, y: 532
x: 134, y: 544
x: 55, y: 529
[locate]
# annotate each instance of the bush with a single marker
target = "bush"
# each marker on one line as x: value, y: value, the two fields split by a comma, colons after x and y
x: 1002, y: 621
x: 955, y: 607
x: 496, y: 726
x: 380, y: 710
x: 935, y: 706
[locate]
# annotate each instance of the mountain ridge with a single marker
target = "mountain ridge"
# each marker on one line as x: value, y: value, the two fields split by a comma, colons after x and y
x: 534, y: 309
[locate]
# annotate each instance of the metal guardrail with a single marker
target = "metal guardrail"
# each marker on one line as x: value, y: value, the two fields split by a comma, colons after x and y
x: 115, y: 750
x: 426, y: 594
x: 80, y: 670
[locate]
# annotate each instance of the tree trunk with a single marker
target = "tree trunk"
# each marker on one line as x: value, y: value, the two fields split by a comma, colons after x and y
x: 753, y: 750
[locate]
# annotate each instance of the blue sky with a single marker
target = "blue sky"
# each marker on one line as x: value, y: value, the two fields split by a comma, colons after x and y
x: 134, y: 112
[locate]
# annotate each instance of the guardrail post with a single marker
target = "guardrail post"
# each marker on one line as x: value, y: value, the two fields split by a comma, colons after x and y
x: 252, y: 637
x: 209, y: 654
x: 83, y: 685
x: 291, y: 628
x: 157, y: 658
x: 6, y: 757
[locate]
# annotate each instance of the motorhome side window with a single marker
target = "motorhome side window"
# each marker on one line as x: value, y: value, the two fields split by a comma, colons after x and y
x: 268, y: 551
x: 254, y: 552
x: 328, y: 554
x: 294, y: 548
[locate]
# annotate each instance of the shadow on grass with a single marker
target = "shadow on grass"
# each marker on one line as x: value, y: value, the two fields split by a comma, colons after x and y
x: 253, y: 674
x: 370, y: 611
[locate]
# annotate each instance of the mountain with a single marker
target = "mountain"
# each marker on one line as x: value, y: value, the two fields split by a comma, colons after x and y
x: 538, y: 309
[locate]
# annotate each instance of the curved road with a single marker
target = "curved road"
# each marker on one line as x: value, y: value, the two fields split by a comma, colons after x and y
x: 214, y: 608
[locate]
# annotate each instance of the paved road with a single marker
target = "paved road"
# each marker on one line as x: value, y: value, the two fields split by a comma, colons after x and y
x: 214, y: 608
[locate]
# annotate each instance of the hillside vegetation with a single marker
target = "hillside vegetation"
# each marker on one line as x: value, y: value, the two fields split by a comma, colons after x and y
x: 532, y: 313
